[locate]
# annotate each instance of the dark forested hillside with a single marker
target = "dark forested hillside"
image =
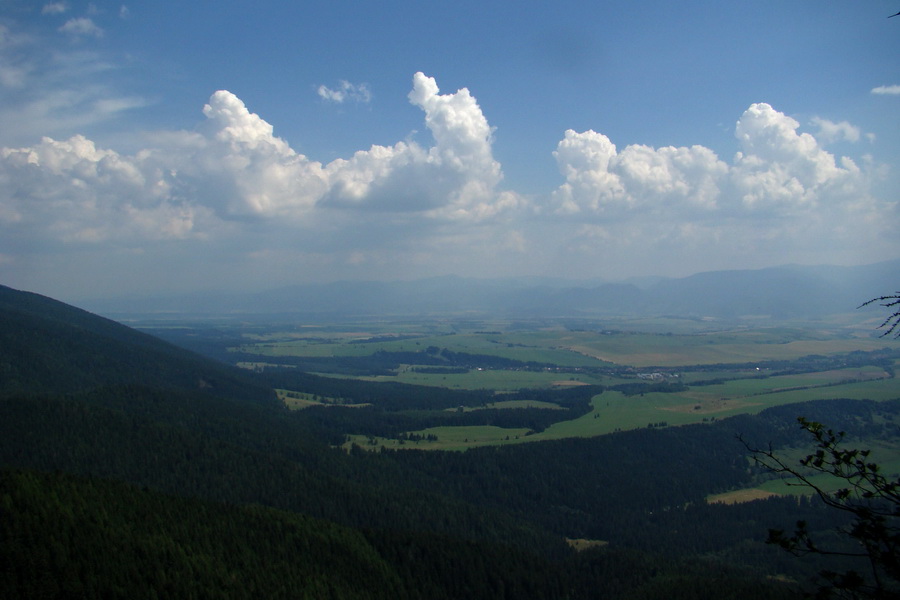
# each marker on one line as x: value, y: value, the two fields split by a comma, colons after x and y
x: 49, y: 347
x: 70, y: 537
x: 65, y: 537
x: 130, y: 468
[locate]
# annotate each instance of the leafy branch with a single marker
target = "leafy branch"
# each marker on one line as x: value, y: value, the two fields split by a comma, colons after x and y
x: 871, y: 498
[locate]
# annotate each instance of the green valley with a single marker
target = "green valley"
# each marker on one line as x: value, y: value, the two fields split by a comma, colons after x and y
x: 450, y: 458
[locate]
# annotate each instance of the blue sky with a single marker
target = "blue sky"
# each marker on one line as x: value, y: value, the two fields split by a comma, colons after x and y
x: 156, y: 147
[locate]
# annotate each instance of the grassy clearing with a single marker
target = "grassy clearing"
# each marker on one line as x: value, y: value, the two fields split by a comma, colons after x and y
x: 885, y: 453
x: 882, y: 389
x: 298, y: 400
x: 448, y: 438
x: 740, y: 496
x: 865, y: 382
x: 582, y: 544
x: 298, y: 403
x: 614, y: 411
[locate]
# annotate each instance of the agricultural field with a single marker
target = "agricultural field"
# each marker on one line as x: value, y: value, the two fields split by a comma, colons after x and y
x: 686, y: 371
x: 614, y: 411
x: 567, y: 345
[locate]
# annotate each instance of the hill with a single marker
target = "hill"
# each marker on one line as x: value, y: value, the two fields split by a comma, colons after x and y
x: 47, y: 347
x: 95, y: 398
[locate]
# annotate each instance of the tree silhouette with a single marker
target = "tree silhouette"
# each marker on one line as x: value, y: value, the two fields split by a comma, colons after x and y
x: 891, y: 324
x: 869, y: 497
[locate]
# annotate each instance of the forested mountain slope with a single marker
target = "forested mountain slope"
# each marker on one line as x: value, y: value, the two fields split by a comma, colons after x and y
x: 68, y: 537
x: 112, y: 435
x: 50, y: 347
x: 141, y: 544
x: 95, y: 398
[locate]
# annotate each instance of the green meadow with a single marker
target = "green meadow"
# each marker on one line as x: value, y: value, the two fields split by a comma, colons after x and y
x: 719, y: 369
x: 885, y: 453
x: 614, y: 411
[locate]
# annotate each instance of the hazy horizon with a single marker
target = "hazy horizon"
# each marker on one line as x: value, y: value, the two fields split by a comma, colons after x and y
x: 174, y: 148
x: 524, y: 282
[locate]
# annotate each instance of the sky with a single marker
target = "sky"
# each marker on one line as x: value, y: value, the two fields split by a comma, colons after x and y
x: 174, y: 147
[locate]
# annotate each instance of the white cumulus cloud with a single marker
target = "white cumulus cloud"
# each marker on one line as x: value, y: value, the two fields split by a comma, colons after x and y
x: 345, y: 91
x: 254, y: 172
x: 777, y: 169
x: 782, y: 195
x: 602, y: 182
x: 234, y: 169
x: 830, y: 131
x: 73, y: 191
x: 457, y: 177
x: 782, y: 170
x: 233, y: 191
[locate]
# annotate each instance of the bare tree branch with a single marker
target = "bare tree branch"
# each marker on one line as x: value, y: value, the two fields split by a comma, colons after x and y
x: 892, y: 323
x: 872, y: 499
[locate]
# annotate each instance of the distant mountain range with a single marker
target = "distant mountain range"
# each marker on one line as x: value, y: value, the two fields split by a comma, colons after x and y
x: 790, y: 291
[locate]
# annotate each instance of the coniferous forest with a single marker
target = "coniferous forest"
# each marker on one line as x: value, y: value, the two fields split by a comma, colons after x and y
x: 132, y: 468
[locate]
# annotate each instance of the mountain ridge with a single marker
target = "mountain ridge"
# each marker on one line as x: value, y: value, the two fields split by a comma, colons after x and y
x: 788, y: 291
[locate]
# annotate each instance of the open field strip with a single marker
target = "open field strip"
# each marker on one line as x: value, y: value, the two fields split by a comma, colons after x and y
x: 881, y: 389
x: 582, y: 348
x: 510, y: 380
x: 608, y: 414
x: 514, y: 404
x: 647, y: 350
x: 689, y: 377
x: 738, y: 397
x: 306, y: 348
x: 612, y: 411
x: 885, y: 453
x: 834, y: 375
x: 582, y: 544
x: 298, y: 403
x: 637, y: 354
x: 469, y: 344
x: 816, y: 383
x: 739, y: 496
x: 787, y: 486
x: 449, y: 438
x: 490, y: 379
x: 299, y: 400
